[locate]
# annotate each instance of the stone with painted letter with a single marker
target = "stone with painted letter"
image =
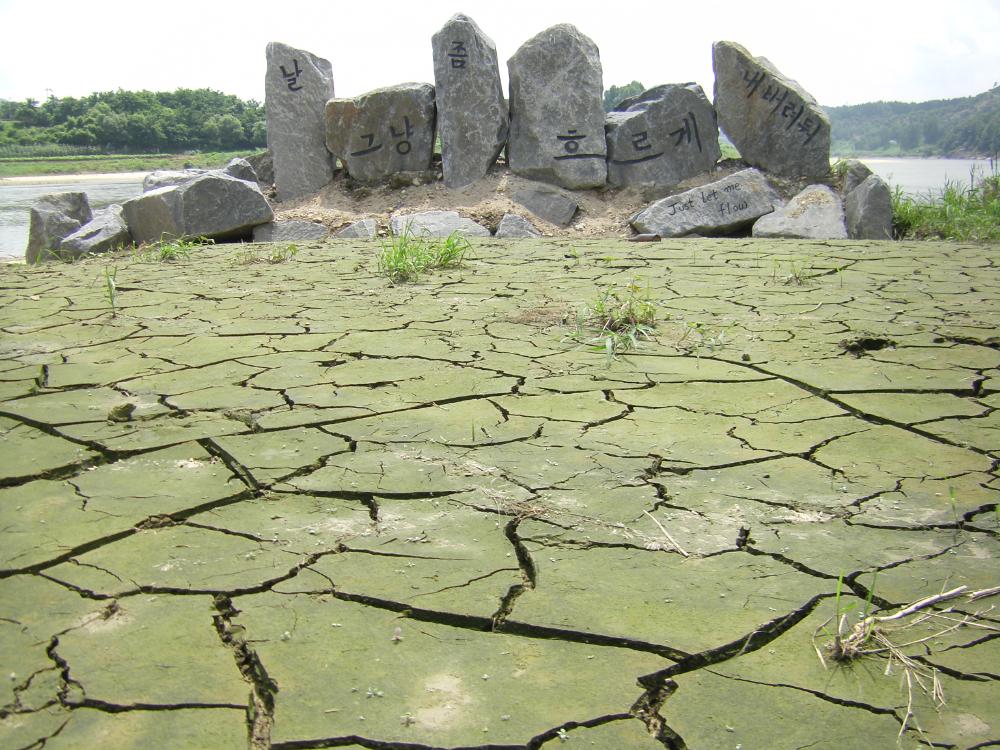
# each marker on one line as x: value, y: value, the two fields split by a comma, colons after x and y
x: 556, y: 111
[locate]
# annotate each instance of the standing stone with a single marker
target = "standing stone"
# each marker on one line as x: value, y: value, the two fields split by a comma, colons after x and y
x: 296, y: 89
x: 472, y: 113
x: 52, y: 218
x: 556, y: 111
x: 773, y: 122
x: 661, y: 137
x: 869, y: 210
x: 383, y: 132
x: 721, y: 207
x: 814, y: 214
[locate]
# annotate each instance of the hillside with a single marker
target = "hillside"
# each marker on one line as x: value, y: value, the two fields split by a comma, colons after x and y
x: 968, y: 126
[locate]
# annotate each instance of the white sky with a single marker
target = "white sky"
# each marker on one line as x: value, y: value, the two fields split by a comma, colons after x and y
x: 843, y: 52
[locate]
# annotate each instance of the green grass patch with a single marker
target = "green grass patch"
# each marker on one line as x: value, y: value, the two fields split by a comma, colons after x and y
x: 405, y: 257
x: 621, y: 317
x: 270, y: 254
x: 109, y: 163
x: 169, y: 251
x: 965, y: 213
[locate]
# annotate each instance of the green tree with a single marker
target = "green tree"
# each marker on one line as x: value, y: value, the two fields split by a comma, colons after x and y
x: 615, y: 94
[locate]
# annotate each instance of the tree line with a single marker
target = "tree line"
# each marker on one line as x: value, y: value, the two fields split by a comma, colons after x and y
x: 203, y: 119
x: 967, y: 126
x: 137, y: 121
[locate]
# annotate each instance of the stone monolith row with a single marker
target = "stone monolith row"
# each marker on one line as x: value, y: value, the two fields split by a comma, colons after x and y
x: 296, y: 89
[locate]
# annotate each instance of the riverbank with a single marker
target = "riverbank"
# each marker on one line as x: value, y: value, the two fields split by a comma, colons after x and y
x: 111, y: 163
x: 431, y: 515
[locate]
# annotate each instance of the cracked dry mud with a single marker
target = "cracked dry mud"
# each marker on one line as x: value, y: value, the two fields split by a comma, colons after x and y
x: 347, y: 514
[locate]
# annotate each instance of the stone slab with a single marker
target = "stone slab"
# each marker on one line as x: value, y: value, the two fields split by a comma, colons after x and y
x: 720, y: 207
x: 514, y: 227
x: 436, y: 224
x: 553, y: 205
x: 289, y: 231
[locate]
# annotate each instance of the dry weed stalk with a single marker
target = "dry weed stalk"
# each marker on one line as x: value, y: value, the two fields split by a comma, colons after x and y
x: 879, y: 635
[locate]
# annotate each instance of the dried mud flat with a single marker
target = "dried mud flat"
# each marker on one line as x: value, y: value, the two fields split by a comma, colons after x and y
x: 293, y: 506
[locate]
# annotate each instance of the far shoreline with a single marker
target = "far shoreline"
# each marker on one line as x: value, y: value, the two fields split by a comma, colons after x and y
x: 53, y: 179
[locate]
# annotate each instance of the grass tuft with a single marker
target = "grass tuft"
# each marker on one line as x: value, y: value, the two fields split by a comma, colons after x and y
x: 964, y: 213
x: 622, y: 318
x: 405, y: 257
x: 169, y: 251
x: 276, y: 254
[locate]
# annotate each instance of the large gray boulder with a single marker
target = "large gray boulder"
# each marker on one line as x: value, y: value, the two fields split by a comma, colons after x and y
x: 721, y: 207
x: 814, y: 214
x: 435, y: 224
x: 214, y: 205
x: 290, y: 231
x: 471, y: 111
x: 869, y: 210
x: 52, y: 218
x: 383, y: 132
x: 661, y: 137
x: 552, y: 204
x: 104, y: 232
x: 773, y: 122
x: 296, y: 88
x: 514, y: 227
x: 556, y: 111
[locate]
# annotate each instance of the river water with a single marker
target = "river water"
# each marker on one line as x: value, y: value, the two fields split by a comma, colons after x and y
x: 18, y: 194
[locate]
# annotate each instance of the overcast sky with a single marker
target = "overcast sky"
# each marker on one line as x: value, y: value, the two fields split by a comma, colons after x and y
x: 844, y: 52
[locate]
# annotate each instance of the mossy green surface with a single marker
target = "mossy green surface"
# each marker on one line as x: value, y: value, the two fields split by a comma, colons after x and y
x: 294, y: 505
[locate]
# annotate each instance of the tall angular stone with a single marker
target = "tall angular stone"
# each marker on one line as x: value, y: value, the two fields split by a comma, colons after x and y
x: 52, y: 218
x: 296, y: 89
x: 662, y: 137
x: 383, y: 132
x: 556, y: 111
x: 773, y: 122
x: 869, y: 210
x: 471, y: 111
